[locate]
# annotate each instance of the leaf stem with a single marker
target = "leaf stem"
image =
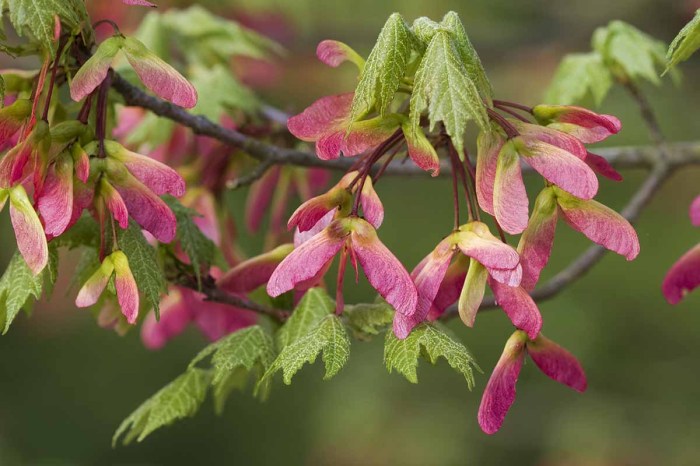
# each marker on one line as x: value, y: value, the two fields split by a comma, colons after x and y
x: 512, y: 113
x: 84, y: 113
x: 339, y: 301
x: 101, y: 122
x: 59, y: 51
x: 107, y: 21
x: 505, y: 103
x: 470, y: 187
x: 510, y: 130
x: 455, y: 188
x: 376, y: 155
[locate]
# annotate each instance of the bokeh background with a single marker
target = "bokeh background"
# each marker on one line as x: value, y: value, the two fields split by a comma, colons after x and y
x: 65, y: 383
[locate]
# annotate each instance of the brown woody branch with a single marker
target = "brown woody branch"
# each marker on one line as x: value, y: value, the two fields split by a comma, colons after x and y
x: 213, y: 293
x: 621, y: 157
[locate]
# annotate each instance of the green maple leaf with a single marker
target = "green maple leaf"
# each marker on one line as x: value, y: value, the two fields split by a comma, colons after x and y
x: 385, y: 68
x: 630, y: 52
x: 36, y: 17
x: 576, y: 77
x: 328, y: 336
x: 212, y: 39
x: 235, y: 357
x: 179, y: 399
x: 51, y: 272
x: 444, y: 86
x: 85, y: 232
x: 424, y: 28
x: 220, y: 93
x: 685, y: 44
x: 200, y: 249
x: 314, y: 306
x: 367, y: 320
x: 19, y: 287
x: 144, y: 264
x: 432, y: 342
x: 468, y: 54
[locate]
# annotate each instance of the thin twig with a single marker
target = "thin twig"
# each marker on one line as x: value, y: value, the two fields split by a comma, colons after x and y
x: 647, y: 113
x: 215, y: 294
x: 251, y: 177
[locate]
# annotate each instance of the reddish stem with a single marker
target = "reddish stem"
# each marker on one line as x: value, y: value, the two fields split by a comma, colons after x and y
x: 339, y: 301
x: 54, y: 72
x: 455, y: 194
x: 101, y: 123
x: 510, y: 130
x: 107, y: 21
x: 386, y: 163
x: 35, y: 98
x: 376, y: 155
x: 505, y: 103
x: 84, y: 113
x: 471, y: 186
x: 500, y: 231
x: 512, y: 113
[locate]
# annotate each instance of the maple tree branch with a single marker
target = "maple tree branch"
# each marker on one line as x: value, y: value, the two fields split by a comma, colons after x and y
x: 648, y: 115
x: 621, y: 157
x: 661, y: 159
x: 215, y: 294
x: 251, y: 177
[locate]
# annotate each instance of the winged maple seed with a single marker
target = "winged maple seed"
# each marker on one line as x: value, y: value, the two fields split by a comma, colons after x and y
x: 116, y: 264
x: 553, y: 360
x: 488, y: 258
x: 129, y: 186
x: 354, y: 237
x: 549, y: 138
x: 684, y: 276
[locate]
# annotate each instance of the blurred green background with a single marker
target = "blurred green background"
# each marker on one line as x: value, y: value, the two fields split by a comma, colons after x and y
x: 65, y: 384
